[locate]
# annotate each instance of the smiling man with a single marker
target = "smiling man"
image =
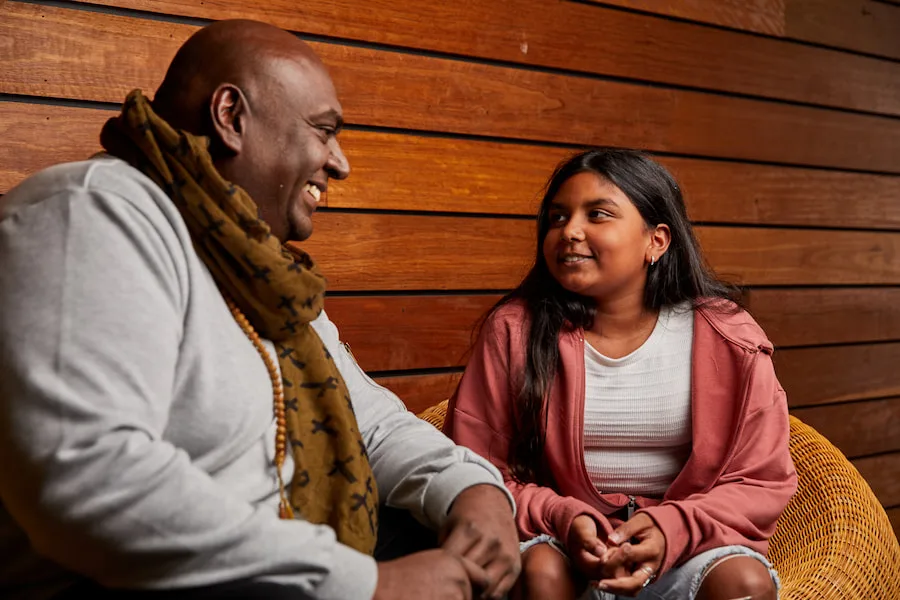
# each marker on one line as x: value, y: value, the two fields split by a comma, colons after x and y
x: 178, y: 417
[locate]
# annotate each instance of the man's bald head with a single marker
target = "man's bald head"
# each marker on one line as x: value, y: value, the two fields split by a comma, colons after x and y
x: 269, y: 107
x: 237, y: 51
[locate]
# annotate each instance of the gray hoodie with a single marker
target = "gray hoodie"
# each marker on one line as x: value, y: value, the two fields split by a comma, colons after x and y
x: 136, y: 426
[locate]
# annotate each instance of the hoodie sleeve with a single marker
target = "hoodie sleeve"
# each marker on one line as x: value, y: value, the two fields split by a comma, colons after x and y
x: 743, y: 505
x: 478, y: 417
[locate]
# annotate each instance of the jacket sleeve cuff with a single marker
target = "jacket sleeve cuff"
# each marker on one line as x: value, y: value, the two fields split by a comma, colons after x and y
x: 353, y: 575
x: 451, y: 482
x: 566, y: 510
x: 669, y: 520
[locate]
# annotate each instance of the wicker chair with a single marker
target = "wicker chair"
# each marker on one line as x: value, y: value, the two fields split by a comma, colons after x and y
x: 834, y: 540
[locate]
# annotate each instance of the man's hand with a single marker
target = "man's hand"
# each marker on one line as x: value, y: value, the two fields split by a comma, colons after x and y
x: 480, y: 528
x: 431, y: 574
x: 643, y: 558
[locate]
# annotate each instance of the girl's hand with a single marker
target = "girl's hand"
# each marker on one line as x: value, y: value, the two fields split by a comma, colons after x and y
x: 585, y: 549
x: 642, y: 557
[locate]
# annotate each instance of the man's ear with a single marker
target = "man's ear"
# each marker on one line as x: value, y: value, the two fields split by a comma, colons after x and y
x: 228, y: 113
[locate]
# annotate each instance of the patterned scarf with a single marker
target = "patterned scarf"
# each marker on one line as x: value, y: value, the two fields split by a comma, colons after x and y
x: 280, y: 291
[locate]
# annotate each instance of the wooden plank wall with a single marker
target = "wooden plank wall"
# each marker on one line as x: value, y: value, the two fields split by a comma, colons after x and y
x: 781, y: 119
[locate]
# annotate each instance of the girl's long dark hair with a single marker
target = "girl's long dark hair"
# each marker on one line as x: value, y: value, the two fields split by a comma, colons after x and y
x: 679, y: 275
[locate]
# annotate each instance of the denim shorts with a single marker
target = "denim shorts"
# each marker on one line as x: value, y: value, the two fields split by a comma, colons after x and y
x: 679, y: 583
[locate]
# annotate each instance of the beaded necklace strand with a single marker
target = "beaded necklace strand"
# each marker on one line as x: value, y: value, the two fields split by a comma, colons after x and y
x: 284, y: 507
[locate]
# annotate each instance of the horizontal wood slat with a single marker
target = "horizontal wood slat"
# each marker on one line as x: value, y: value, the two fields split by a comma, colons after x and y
x: 402, y: 252
x: 726, y: 192
x: 839, y: 373
x: 406, y: 252
x: 410, y: 172
x: 761, y: 16
x: 419, y: 392
x: 883, y: 475
x: 433, y: 173
x: 809, y: 316
x: 427, y: 173
x: 857, y: 428
x: 410, y: 91
x: 35, y: 136
x: 868, y: 26
x: 861, y: 25
x: 394, y: 333
x: 589, y: 39
x: 801, y: 257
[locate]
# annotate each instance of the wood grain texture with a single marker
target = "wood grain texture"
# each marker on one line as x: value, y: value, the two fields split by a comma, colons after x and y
x: 838, y: 373
x: 411, y: 172
x: 761, y: 16
x: 406, y: 172
x: 402, y: 252
x: 361, y: 251
x: 35, y: 136
x: 410, y: 91
x: 809, y: 316
x: 883, y: 475
x: 428, y: 173
x: 589, y: 39
x: 419, y: 392
x: 725, y: 192
x: 392, y: 333
x: 801, y: 256
x: 857, y: 428
x: 861, y: 25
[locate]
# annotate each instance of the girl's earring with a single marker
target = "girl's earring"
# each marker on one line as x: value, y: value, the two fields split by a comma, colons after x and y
x: 652, y: 260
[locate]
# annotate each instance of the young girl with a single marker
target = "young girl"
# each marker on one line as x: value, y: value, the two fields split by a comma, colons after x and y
x: 630, y: 403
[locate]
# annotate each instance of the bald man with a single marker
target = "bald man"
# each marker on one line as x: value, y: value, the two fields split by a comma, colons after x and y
x: 150, y: 319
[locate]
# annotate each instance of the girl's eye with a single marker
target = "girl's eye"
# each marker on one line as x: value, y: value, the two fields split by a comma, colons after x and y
x: 598, y: 214
x: 556, y: 218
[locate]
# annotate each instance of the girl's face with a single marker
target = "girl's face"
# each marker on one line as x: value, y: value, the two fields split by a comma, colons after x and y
x: 598, y: 245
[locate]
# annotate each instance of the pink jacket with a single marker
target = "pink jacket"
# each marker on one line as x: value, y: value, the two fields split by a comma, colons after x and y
x: 736, y: 482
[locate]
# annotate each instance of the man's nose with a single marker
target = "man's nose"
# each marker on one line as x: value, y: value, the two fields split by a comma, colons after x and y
x: 338, y: 166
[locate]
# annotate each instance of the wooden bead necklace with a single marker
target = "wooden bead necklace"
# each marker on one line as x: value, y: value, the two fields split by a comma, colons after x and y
x: 284, y: 507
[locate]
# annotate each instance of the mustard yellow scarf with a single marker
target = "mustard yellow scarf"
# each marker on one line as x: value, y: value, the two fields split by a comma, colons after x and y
x: 280, y: 291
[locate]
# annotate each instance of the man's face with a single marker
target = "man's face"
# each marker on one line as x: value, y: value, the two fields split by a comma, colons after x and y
x: 290, y: 146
